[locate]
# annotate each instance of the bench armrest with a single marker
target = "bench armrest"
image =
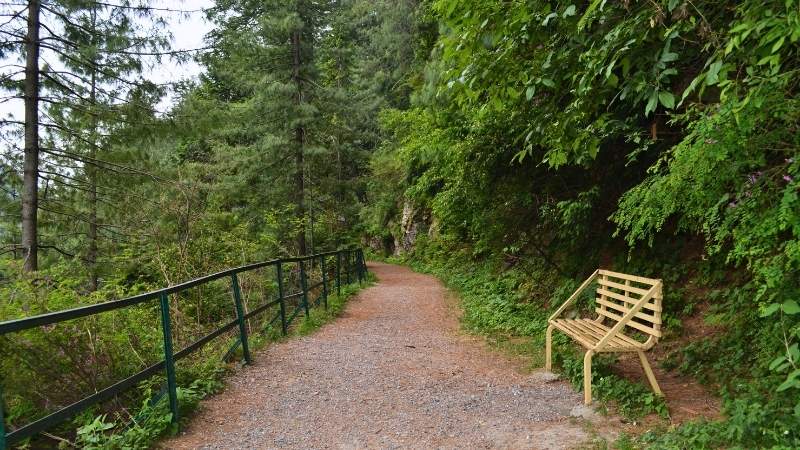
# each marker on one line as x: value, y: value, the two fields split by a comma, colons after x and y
x: 627, y: 317
x: 574, y: 295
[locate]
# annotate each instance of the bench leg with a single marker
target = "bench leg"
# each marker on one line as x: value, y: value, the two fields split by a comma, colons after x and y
x: 548, y: 349
x: 649, y: 372
x: 587, y: 377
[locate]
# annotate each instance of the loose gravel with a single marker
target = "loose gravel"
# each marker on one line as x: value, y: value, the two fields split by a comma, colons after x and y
x: 393, y: 371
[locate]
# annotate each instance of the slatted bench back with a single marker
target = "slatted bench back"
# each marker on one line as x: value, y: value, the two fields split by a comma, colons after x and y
x: 618, y: 292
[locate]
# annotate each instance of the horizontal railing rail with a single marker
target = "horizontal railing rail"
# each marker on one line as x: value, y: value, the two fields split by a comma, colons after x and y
x: 347, y: 263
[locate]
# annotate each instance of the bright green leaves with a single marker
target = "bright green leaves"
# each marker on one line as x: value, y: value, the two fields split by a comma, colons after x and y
x: 666, y: 99
x: 790, y: 307
x: 771, y: 309
x: 569, y: 11
x: 529, y: 92
x: 660, y: 93
x: 594, y: 6
x: 789, y: 361
x: 712, y: 75
x: 656, y: 97
x: 652, y: 102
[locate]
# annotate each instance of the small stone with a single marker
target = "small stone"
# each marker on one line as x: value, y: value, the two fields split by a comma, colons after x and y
x: 544, y: 376
x: 584, y: 411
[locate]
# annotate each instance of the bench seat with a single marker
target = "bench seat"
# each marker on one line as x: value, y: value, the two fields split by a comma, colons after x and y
x: 623, y: 302
x: 588, y: 333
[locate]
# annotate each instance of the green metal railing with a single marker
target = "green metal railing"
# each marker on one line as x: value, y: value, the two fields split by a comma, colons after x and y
x: 348, y: 263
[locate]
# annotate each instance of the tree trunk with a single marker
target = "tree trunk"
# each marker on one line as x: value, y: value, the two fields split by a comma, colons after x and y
x: 299, y: 137
x: 91, y: 172
x: 30, y: 178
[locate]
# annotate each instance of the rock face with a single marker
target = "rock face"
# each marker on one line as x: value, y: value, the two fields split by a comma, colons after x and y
x: 412, y: 222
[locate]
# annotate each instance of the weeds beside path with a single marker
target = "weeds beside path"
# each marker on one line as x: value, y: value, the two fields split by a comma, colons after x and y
x: 393, y: 370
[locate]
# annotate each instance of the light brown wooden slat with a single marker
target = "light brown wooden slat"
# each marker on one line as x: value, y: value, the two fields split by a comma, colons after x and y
x: 625, y: 276
x: 588, y: 334
x: 572, y: 333
x: 652, y: 318
x: 631, y: 323
x: 594, y: 333
x: 622, y: 340
x: 651, y: 304
x: 633, y: 289
x: 603, y: 278
x: 616, y: 342
x: 590, y: 338
x: 563, y: 325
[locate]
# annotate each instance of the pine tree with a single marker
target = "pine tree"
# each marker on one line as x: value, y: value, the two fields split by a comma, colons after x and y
x: 264, y: 63
x: 79, y: 56
x: 30, y: 180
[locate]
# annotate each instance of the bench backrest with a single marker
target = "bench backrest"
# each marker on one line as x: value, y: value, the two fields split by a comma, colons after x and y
x: 618, y: 292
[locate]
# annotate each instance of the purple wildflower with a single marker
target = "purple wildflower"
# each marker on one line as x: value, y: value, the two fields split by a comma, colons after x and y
x: 787, y: 178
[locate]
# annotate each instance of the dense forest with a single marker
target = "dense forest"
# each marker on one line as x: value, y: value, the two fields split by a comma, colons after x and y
x: 511, y: 148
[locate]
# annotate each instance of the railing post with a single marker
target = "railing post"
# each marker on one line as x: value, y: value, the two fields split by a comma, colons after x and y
x: 338, y: 272
x: 237, y: 300
x: 304, y: 285
x: 324, y: 281
x: 347, y: 266
x: 359, y: 266
x: 279, y: 275
x: 354, y: 265
x: 363, y: 263
x: 169, y: 361
x: 2, y: 422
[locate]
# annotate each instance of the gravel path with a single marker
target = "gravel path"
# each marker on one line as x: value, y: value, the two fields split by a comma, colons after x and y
x: 393, y: 371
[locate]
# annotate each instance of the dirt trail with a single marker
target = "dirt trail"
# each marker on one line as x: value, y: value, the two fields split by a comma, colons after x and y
x: 392, y: 371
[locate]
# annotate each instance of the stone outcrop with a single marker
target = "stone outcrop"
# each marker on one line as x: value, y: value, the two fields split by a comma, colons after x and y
x: 413, y: 221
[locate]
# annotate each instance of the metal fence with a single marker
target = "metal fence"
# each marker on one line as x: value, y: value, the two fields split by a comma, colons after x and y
x: 335, y: 269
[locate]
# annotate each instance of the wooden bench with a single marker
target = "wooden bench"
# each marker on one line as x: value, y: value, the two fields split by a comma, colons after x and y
x: 625, y: 303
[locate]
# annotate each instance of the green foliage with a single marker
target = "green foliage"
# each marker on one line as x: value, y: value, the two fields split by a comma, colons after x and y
x: 152, y: 422
x: 653, y: 137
